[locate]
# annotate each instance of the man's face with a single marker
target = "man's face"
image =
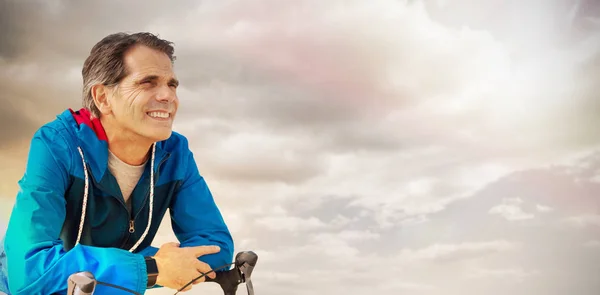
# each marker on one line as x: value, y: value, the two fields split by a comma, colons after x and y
x: 145, y: 102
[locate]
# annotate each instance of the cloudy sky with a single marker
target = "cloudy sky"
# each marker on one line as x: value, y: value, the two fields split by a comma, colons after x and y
x: 360, y: 147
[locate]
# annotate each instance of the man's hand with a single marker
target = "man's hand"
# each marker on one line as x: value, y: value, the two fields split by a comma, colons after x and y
x: 178, y: 266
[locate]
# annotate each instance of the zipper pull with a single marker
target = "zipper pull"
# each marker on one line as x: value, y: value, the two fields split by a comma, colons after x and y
x: 131, y: 226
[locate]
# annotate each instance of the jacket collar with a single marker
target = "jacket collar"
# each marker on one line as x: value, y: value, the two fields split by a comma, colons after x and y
x: 92, y: 139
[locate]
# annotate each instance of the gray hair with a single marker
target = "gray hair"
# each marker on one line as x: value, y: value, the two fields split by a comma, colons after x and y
x: 105, y: 64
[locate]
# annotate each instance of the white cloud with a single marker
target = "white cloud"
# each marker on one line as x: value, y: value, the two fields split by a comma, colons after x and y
x: 290, y: 223
x: 596, y: 178
x: 465, y: 250
x: 510, y: 209
x: 350, y: 235
x: 503, y: 274
x: 346, y: 139
x: 341, y: 221
x: 386, y: 85
x: 581, y: 221
x: 396, y: 286
x: 542, y: 208
x: 280, y: 277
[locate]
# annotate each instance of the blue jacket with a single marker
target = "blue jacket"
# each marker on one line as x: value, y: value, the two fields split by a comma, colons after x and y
x: 40, y: 249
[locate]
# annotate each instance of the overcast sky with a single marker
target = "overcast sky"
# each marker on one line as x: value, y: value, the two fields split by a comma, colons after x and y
x: 360, y: 147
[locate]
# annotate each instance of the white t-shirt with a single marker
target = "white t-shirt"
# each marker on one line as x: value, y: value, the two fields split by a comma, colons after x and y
x: 127, y: 175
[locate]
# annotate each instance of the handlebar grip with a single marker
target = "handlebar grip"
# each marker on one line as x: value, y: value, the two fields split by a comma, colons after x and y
x: 228, y: 280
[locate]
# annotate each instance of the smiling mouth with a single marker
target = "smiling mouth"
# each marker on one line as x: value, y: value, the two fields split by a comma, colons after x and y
x: 159, y: 115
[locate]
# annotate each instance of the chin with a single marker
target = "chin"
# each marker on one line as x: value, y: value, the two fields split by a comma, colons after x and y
x: 156, y: 135
x: 161, y: 136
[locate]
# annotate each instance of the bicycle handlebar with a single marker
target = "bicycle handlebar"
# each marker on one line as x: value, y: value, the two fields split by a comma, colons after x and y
x: 84, y: 283
x: 241, y: 273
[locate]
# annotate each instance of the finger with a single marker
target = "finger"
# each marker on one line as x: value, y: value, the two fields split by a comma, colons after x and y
x: 207, y: 273
x: 202, y: 267
x: 204, y: 250
x: 181, y: 284
x: 198, y: 280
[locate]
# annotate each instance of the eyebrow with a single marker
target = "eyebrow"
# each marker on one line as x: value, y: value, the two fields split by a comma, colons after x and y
x: 156, y: 77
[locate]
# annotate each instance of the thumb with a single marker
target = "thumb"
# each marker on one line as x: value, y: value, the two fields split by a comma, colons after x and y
x: 203, y: 250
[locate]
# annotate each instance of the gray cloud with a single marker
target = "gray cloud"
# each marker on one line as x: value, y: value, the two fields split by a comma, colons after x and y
x: 464, y: 248
x: 349, y: 89
x: 349, y: 96
x: 16, y: 127
x: 461, y: 249
x: 68, y: 29
x: 405, y: 147
x: 42, y: 50
x: 8, y: 29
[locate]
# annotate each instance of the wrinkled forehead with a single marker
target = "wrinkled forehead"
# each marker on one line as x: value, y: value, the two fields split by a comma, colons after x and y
x: 143, y: 61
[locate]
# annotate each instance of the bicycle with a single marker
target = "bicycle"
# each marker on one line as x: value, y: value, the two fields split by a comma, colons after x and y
x: 84, y: 282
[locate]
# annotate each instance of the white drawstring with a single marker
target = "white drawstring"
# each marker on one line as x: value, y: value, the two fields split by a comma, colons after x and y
x: 85, y: 198
x: 151, y: 201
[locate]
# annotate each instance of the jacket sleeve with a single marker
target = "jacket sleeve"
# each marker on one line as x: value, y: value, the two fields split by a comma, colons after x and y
x: 195, y: 218
x: 148, y: 251
x: 37, y: 262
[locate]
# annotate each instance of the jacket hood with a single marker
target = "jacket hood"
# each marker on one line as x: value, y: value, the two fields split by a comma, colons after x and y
x: 83, y: 116
x: 89, y: 136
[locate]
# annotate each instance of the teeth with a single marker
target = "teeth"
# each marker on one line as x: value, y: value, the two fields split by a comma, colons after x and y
x: 158, y: 114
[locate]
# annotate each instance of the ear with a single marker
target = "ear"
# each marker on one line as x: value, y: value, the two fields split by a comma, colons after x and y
x: 101, y: 93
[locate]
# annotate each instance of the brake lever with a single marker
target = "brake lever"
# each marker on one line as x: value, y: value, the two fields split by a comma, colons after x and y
x: 245, y: 262
x: 249, y: 287
x: 81, y: 283
x: 241, y: 273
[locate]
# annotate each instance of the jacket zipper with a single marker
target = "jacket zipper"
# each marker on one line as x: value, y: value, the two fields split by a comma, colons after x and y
x: 132, y: 221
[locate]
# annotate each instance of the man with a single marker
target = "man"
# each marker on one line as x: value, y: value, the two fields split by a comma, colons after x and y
x: 99, y: 180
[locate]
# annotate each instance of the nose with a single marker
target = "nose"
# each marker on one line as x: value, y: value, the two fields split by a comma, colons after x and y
x: 166, y: 94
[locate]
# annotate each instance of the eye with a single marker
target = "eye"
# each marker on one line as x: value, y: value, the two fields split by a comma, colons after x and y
x: 146, y: 83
